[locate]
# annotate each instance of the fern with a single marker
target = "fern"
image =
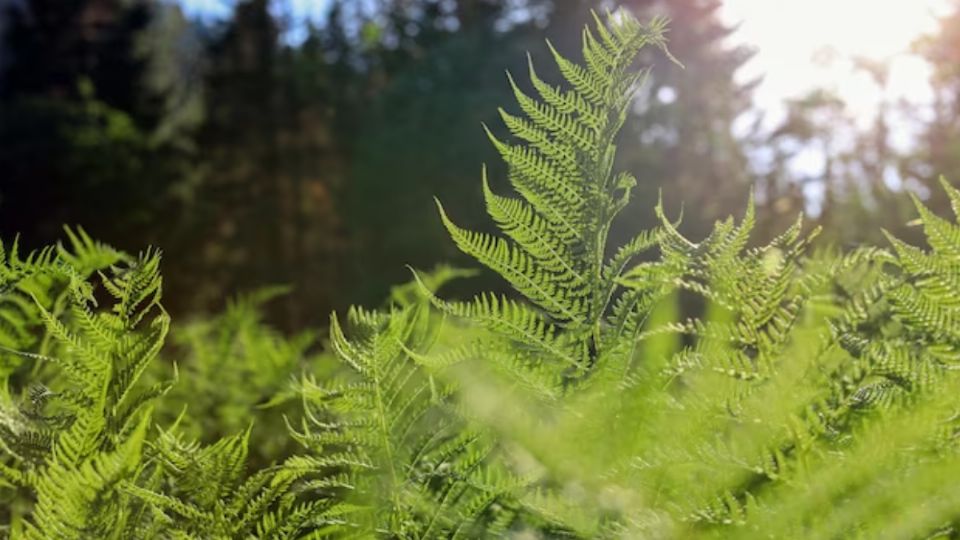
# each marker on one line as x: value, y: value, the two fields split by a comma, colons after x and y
x: 82, y: 430
x: 78, y: 499
x: 40, y: 280
x: 779, y: 375
x: 556, y: 231
x: 195, y: 491
x: 387, y: 454
x: 753, y: 428
x: 234, y: 369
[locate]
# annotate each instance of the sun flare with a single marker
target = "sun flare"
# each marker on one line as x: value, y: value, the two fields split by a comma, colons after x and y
x: 801, y: 45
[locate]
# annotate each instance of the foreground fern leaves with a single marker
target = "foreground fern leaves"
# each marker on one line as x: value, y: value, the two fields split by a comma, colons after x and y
x: 569, y: 197
x: 667, y: 388
x: 85, y: 431
x: 793, y: 359
x: 385, y: 440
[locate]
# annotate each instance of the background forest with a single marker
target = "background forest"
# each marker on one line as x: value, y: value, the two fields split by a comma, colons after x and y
x: 258, y: 147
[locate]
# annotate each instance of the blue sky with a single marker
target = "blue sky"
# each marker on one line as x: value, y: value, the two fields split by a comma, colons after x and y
x: 301, y: 9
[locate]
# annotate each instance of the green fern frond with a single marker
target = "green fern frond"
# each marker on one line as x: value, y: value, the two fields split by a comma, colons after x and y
x: 79, y: 500
x: 569, y: 196
x: 384, y: 440
x: 85, y: 426
x: 202, y: 491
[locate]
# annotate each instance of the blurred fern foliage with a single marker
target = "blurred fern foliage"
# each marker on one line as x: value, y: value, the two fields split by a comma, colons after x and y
x: 812, y: 396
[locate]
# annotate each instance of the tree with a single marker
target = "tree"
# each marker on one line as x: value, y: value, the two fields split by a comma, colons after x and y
x: 434, y: 77
x: 264, y: 208
x: 89, y: 122
x: 939, y: 147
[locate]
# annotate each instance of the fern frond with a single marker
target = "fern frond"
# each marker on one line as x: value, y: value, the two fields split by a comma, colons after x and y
x: 79, y: 500
x: 569, y: 197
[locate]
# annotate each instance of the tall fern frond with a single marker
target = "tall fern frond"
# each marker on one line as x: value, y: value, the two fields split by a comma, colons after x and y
x: 554, y: 253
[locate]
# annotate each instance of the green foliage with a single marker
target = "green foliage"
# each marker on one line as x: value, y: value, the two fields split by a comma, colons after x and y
x: 794, y: 365
x: 34, y: 283
x: 235, y: 369
x: 811, y: 394
x: 384, y: 446
x: 195, y: 491
x: 569, y: 197
x: 82, y: 430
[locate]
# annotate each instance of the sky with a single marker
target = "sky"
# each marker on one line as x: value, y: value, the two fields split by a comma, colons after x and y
x: 220, y: 8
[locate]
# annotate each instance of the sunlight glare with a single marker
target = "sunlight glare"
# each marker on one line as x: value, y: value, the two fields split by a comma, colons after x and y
x: 808, y: 44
